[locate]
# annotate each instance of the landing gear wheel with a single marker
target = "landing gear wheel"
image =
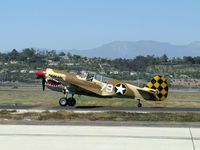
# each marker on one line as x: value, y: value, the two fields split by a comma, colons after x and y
x: 139, y: 105
x: 71, y: 101
x: 63, y: 101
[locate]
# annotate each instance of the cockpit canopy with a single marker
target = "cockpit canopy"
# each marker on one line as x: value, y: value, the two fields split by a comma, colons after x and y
x: 95, y: 76
x: 101, y: 78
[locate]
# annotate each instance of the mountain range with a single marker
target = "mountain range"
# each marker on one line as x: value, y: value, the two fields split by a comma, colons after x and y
x: 131, y: 49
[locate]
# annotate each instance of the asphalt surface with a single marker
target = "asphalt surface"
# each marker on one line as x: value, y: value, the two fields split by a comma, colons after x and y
x: 103, y: 108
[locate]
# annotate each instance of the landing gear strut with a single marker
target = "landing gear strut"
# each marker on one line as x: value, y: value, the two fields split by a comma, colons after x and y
x: 139, y: 104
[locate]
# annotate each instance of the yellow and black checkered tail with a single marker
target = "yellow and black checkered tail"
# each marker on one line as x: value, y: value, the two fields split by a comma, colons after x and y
x: 159, y: 83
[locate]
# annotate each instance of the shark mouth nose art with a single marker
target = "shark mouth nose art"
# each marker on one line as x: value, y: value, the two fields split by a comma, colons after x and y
x: 52, y: 82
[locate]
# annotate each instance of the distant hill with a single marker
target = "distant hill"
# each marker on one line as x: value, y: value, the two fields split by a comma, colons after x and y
x: 128, y: 49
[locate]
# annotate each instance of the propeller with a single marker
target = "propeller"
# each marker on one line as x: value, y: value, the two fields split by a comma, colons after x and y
x: 41, y: 75
x: 43, y: 84
x: 43, y: 81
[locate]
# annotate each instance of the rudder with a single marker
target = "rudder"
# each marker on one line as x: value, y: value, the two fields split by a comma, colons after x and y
x: 159, y: 83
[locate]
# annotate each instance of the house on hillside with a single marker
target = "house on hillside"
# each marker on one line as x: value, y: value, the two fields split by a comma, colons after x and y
x: 184, y: 76
x: 114, y: 72
x: 132, y: 73
x: 31, y: 71
x: 13, y: 62
x: 53, y: 63
x: 23, y: 71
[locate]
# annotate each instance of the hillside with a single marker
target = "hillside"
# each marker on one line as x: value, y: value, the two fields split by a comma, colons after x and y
x: 20, y: 67
x: 128, y: 49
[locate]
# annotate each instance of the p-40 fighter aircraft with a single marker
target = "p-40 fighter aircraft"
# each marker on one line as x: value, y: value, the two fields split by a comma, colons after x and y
x: 99, y: 86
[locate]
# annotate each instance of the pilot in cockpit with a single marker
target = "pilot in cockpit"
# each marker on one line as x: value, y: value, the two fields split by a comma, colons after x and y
x: 89, y: 77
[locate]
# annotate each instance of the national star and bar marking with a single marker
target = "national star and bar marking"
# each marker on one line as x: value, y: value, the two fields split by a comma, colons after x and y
x: 120, y: 89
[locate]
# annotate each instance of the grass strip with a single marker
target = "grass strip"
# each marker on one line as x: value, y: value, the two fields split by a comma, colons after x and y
x: 104, y: 116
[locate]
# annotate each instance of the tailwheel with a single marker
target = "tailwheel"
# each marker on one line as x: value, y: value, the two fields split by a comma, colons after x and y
x: 71, y: 101
x: 139, y: 104
x: 63, y: 101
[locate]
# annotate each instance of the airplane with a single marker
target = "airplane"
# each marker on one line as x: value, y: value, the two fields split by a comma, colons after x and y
x: 99, y: 86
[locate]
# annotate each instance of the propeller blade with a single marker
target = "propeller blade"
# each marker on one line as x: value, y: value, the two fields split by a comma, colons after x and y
x: 38, y: 77
x: 43, y: 84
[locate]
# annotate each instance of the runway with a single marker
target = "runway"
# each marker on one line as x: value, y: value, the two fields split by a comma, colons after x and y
x: 102, y: 108
x: 23, y: 137
x: 90, y: 135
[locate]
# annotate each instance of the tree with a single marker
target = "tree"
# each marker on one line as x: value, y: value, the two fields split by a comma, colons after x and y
x: 28, y: 52
x: 164, y: 58
x: 140, y: 63
x: 13, y: 55
x: 188, y: 60
x: 61, y: 54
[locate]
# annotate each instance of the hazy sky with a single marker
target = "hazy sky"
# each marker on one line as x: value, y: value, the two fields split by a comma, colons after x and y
x: 84, y: 24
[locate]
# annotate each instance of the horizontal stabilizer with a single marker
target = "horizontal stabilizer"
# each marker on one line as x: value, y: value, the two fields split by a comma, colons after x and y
x: 147, y: 95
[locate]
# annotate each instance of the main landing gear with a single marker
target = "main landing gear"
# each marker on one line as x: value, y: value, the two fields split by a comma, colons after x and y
x: 139, y: 104
x: 67, y: 101
x: 64, y: 101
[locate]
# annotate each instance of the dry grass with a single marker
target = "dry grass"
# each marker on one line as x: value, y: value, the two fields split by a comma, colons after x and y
x: 28, y: 98
x: 105, y: 116
x: 186, y: 83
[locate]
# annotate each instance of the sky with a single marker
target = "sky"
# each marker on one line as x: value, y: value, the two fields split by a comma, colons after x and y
x: 86, y: 24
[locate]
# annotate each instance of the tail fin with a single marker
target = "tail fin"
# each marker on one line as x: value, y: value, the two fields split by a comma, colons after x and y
x: 159, y: 83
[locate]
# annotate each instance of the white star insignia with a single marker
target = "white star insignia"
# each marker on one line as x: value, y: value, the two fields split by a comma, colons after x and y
x: 120, y: 89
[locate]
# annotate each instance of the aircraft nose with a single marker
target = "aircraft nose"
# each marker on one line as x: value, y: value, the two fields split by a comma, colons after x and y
x: 41, y: 73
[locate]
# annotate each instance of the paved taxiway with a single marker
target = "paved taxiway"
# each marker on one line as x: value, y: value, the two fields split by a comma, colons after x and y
x: 101, y: 108
x: 29, y: 137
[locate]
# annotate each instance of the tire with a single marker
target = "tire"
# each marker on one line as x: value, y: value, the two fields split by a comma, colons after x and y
x: 71, y: 101
x: 63, y: 101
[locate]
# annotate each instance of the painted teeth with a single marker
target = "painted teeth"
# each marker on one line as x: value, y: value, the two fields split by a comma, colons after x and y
x: 51, y: 85
x: 52, y: 80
